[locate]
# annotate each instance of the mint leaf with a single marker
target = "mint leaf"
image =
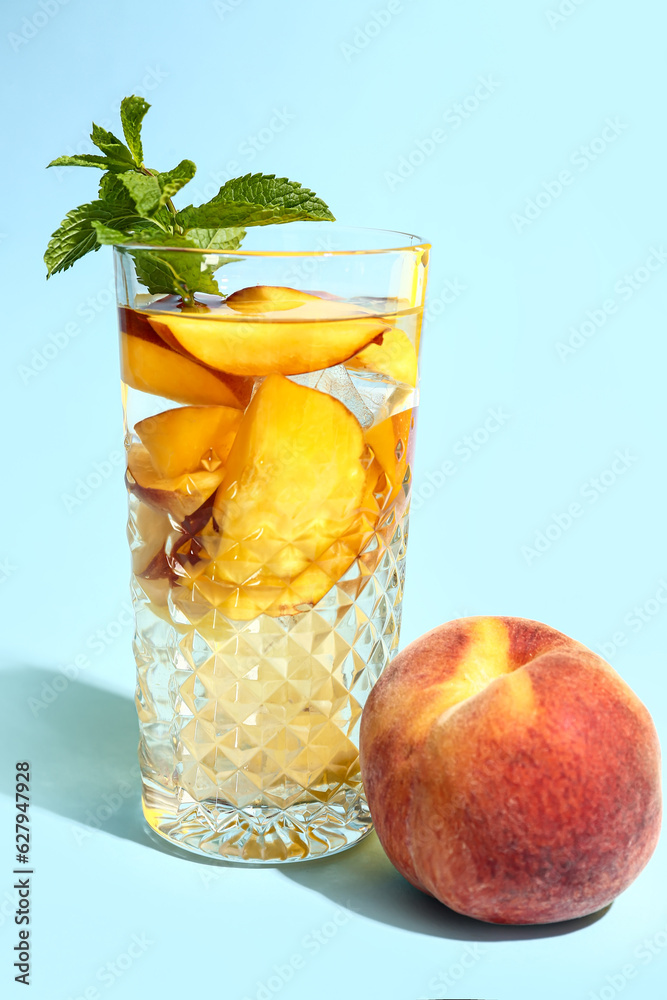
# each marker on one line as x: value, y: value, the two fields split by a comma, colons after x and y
x: 89, y: 160
x: 107, y: 235
x: 144, y: 191
x: 111, y: 146
x: 170, y: 271
x: 173, y: 180
x: 256, y: 200
x: 149, y: 191
x: 82, y: 160
x: 114, y: 191
x: 216, y: 239
x: 180, y: 273
x: 132, y: 112
x: 278, y: 194
x: 172, y: 274
x: 76, y: 235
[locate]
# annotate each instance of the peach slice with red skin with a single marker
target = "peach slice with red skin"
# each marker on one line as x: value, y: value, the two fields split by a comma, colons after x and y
x: 179, y: 495
x: 294, y: 508
x: 293, y: 332
x: 150, y: 365
x: 175, y: 470
x: 180, y: 461
x: 268, y: 594
x: 189, y: 438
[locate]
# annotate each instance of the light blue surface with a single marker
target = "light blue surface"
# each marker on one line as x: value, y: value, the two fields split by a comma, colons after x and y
x: 342, y: 106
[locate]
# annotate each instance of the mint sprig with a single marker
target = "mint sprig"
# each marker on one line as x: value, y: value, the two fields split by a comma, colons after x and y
x: 134, y: 206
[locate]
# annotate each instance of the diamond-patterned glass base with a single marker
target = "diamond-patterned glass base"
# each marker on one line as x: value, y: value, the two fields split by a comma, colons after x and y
x: 249, y: 730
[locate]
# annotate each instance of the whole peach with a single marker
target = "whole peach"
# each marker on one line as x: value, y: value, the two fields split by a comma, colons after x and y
x: 511, y: 772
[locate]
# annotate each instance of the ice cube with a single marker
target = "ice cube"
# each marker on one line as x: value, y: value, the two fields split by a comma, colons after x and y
x: 369, y: 395
x: 382, y: 397
x: 336, y: 382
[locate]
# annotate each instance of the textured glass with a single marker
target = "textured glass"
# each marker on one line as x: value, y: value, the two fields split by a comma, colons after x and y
x: 268, y: 504
x: 249, y: 730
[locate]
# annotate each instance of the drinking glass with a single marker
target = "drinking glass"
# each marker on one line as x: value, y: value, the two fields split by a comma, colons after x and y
x: 269, y: 429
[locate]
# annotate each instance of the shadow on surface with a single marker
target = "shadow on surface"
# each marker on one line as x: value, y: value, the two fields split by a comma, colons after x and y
x: 82, y: 745
x: 82, y: 742
x: 364, y: 881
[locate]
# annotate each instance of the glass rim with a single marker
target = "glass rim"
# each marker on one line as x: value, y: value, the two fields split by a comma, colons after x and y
x: 418, y: 244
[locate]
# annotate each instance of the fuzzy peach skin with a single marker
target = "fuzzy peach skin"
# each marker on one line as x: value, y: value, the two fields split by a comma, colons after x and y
x: 511, y: 772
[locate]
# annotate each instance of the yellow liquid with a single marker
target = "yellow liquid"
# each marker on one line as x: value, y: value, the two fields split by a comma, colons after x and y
x: 249, y: 727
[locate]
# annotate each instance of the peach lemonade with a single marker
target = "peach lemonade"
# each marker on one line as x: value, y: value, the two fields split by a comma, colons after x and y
x: 269, y: 431
x: 268, y: 482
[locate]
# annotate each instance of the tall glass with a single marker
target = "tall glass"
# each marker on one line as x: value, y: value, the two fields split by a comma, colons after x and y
x: 269, y: 428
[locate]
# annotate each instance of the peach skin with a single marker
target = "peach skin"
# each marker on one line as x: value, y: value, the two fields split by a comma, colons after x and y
x: 511, y: 772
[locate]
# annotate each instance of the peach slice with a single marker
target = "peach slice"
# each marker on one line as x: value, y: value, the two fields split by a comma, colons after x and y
x: 237, y: 603
x: 189, y: 438
x: 150, y: 366
x: 395, y: 357
x: 317, y: 333
x: 293, y: 481
x: 157, y: 592
x: 179, y: 495
x: 317, y: 579
x: 147, y: 533
x: 265, y: 593
x: 266, y: 298
x: 389, y: 441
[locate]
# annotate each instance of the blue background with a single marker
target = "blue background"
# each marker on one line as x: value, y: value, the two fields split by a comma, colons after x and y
x: 343, y: 96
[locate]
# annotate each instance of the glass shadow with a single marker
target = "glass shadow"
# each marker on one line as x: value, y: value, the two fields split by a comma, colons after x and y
x: 82, y: 744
